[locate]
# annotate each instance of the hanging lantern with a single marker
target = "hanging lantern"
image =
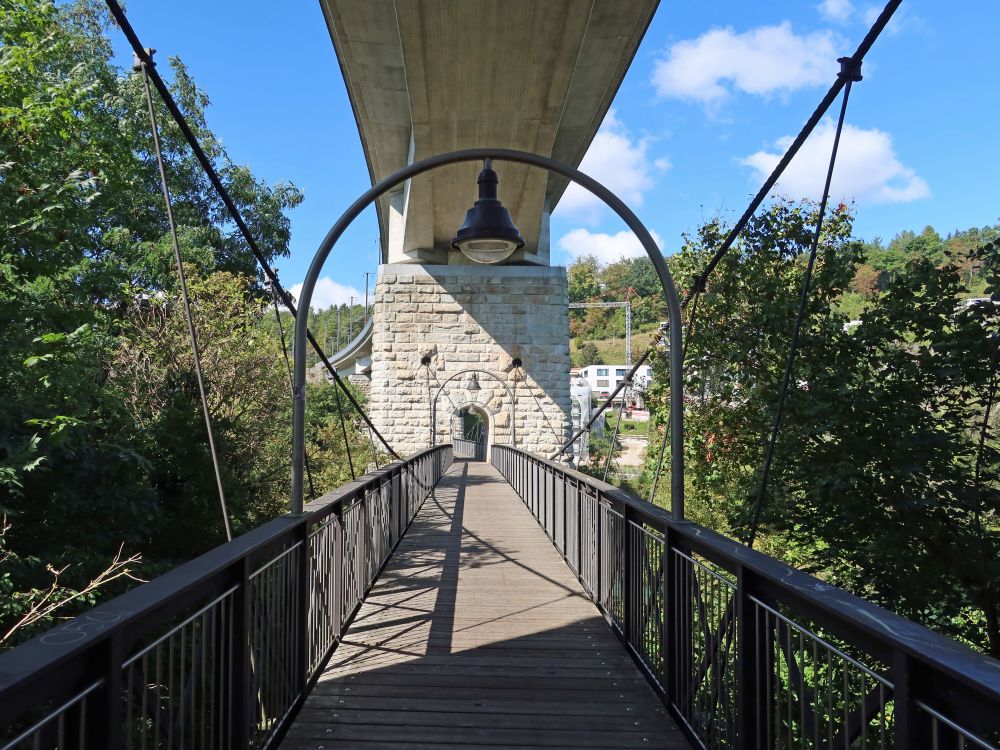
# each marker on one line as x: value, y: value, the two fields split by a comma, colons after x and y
x: 488, y: 234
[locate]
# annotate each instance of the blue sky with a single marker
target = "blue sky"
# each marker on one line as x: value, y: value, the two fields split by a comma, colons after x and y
x: 714, y: 89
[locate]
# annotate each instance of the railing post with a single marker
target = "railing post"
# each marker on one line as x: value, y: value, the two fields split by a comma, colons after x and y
x: 599, y: 543
x: 241, y: 709
x: 395, y: 514
x: 911, y: 726
x: 668, y: 626
x: 579, y: 529
x: 104, y: 728
x: 338, y: 571
x: 302, y: 606
x: 565, y: 507
x: 628, y: 579
x: 751, y: 700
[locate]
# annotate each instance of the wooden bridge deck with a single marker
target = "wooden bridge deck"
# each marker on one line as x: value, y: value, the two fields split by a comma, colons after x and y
x: 477, y: 634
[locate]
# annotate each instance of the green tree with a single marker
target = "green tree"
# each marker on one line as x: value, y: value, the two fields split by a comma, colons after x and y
x: 587, y: 354
x: 84, y: 240
x: 880, y: 483
x: 582, y: 277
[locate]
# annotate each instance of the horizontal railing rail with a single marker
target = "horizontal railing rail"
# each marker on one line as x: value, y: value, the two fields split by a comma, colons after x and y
x: 221, y: 651
x: 745, y: 651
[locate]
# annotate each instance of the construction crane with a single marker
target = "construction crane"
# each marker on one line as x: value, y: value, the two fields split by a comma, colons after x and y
x: 627, y: 304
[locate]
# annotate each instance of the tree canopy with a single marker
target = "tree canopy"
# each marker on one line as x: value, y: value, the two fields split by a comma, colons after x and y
x: 103, y: 456
x: 885, y: 480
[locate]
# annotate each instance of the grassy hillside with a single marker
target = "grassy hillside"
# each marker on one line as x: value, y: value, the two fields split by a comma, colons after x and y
x: 612, y: 351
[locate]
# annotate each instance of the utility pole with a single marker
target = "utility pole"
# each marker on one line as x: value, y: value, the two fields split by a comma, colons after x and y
x: 339, y: 310
x: 350, y: 321
x: 367, y: 274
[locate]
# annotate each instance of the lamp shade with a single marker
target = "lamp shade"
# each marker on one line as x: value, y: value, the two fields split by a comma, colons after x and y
x: 488, y: 234
x: 473, y: 384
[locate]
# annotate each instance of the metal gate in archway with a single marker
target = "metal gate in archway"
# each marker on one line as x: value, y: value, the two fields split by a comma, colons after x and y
x: 475, y: 443
x: 470, y: 433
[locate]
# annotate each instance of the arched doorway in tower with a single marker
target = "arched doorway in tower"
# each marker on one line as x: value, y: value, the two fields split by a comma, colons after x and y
x: 470, y: 432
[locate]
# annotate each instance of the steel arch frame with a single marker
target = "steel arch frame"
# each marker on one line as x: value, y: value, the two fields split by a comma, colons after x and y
x: 520, y: 157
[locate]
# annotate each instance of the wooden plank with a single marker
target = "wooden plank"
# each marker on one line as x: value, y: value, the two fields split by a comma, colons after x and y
x: 505, y: 718
x: 486, y: 736
x: 477, y: 634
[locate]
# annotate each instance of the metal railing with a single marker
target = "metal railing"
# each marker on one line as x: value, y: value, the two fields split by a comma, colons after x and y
x: 474, y: 449
x: 745, y: 651
x: 221, y: 651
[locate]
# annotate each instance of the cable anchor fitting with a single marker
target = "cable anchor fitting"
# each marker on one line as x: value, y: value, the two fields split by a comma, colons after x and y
x: 138, y: 63
x: 850, y: 69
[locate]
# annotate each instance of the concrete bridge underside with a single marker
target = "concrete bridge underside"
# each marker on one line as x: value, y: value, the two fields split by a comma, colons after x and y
x: 429, y: 76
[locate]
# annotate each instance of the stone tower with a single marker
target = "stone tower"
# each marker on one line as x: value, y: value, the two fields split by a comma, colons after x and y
x: 429, y: 76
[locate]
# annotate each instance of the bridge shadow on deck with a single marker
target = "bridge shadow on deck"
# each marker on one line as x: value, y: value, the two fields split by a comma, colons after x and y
x: 477, y: 634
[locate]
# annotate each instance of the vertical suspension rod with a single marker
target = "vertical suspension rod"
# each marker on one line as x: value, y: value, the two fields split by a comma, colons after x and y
x: 143, y: 67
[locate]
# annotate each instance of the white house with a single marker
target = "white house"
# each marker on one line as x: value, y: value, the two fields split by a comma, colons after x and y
x: 603, y: 379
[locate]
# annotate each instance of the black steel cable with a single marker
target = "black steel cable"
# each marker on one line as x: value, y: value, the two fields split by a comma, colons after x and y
x: 858, y: 57
x: 374, y: 452
x: 985, y: 427
x: 291, y: 386
x: 143, y: 66
x: 850, y: 75
x: 141, y: 53
x: 699, y: 282
x: 614, y: 438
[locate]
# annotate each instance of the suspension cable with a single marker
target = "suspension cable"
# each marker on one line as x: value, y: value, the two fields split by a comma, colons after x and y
x: 699, y: 281
x: 143, y: 65
x: 371, y: 439
x: 206, y: 164
x: 291, y: 386
x: 850, y: 72
x: 614, y: 438
x: 831, y: 96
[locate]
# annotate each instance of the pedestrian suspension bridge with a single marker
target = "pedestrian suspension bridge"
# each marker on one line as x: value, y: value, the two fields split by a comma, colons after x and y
x: 478, y: 594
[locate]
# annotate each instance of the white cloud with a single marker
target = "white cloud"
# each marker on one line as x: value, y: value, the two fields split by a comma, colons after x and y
x: 871, y: 14
x: 838, y: 11
x: 329, y: 293
x: 867, y: 167
x: 607, y: 248
x: 617, y: 161
x: 762, y: 61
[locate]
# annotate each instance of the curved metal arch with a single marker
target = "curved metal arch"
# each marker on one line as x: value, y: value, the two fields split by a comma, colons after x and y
x: 510, y: 395
x: 521, y: 157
